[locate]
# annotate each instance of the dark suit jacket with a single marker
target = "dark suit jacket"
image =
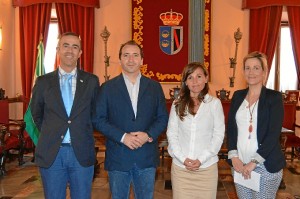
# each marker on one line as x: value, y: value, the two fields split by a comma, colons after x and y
x: 270, y: 118
x: 115, y: 116
x: 51, y: 118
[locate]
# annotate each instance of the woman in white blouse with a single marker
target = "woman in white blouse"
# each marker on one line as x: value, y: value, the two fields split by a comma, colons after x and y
x: 195, y: 134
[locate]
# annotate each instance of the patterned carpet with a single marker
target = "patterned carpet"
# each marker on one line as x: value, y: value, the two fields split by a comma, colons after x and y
x: 226, y: 182
x: 29, y: 184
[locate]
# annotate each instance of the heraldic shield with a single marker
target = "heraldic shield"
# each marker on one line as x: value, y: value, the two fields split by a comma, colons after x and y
x: 170, y: 39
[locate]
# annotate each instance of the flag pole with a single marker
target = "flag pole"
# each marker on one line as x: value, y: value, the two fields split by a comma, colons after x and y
x: 41, y: 37
x: 31, y: 127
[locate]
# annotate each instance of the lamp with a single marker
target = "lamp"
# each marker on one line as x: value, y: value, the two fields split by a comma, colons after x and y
x: 1, y: 37
x: 237, y: 36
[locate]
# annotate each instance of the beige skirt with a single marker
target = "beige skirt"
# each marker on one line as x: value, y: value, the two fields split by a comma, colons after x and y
x: 194, y: 184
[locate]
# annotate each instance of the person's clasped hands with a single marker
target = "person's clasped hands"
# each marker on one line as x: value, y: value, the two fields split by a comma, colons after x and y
x: 134, y: 140
x: 245, y: 170
x: 192, y: 165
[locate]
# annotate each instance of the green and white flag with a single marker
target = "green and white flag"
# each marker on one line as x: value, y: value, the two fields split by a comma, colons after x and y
x: 31, y: 128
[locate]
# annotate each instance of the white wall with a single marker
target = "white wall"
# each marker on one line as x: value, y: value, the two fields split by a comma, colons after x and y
x: 226, y: 17
x: 116, y: 15
x: 8, y: 68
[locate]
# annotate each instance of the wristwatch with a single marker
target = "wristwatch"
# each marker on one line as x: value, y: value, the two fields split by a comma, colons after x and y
x: 254, y: 161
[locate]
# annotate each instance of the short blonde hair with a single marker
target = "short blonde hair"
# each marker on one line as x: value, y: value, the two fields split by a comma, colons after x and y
x: 262, y: 58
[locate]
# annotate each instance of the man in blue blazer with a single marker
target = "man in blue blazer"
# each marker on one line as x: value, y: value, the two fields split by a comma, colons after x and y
x: 131, y: 113
x: 65, y: 151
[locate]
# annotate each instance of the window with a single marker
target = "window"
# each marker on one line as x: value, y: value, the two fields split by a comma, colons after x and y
x: 50, y: 51
x: 283, y: 74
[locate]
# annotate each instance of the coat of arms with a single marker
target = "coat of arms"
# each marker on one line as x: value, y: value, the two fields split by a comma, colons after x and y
x: 171, y: 35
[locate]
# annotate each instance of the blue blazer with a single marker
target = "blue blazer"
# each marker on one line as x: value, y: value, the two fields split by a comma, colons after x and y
x: 50, y: 116
x: 270, y: 118
x: 115, y: 116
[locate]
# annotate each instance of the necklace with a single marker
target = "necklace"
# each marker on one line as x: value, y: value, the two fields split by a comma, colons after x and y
x: 250, y: 128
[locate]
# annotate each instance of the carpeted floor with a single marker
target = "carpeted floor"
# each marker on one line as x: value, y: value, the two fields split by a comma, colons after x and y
x: 226, y: 182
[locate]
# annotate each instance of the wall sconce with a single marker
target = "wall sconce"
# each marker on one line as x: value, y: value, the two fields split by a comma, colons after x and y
x: 1, y: 37
x: 233, y: 61
x: 105, y: 35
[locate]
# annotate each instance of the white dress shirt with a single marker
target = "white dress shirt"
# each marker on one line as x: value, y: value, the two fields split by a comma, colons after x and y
x: 73, y: 80
x: 133, y: 90
x: 197, y: 137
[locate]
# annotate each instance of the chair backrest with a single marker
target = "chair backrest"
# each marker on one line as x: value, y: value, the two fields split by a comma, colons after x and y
x: 289, y: 115
x: 17, y: 107
x: 4, y: 111
x: 226, y: 106
x: 292, y: 96
x: 169, y: 104
x: 223, y: 94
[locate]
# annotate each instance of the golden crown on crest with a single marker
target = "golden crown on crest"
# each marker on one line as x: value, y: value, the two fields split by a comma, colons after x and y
x: 171, y: 18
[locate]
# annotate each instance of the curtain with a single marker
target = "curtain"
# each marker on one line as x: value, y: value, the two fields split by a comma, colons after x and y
x: 78, y: 19
x: 86, y: 3
x: 294, y: 21
x: 264, y: 29
x: 34, y: 21
x: 253, y: 4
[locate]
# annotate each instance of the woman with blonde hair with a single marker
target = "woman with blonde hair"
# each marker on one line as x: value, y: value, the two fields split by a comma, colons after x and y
x: 254, y: 128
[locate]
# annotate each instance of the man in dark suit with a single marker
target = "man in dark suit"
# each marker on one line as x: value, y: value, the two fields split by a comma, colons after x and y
x: 61, y: 105
x: 131, y: 113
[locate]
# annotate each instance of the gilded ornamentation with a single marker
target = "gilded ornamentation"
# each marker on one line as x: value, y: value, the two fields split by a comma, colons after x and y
x: 138, y: 1
x: 206, y: 64
x: 137, y: 25
x: 206, y: 45
x: 138, y: 37
x: 163, y: 77
x: 206, y: 19
x: 144, y: 71
x: 171, y: 18
x: 206, y: 39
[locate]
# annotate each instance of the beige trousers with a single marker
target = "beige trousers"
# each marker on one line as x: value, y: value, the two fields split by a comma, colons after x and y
x: 194, y: 184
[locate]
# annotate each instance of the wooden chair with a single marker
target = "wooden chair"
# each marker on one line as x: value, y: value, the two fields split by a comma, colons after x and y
x: 10, y: 137
x: 163, y: 140
x: 27, y: 143
x: 223, y: 153
x: 223, y: 94
x: 3, y: 135
x: 16, y: 140
x: 292, y: 143
x: 292, y: 96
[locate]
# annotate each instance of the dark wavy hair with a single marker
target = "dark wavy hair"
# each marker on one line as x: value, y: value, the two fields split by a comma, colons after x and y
x: 185, y: 102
